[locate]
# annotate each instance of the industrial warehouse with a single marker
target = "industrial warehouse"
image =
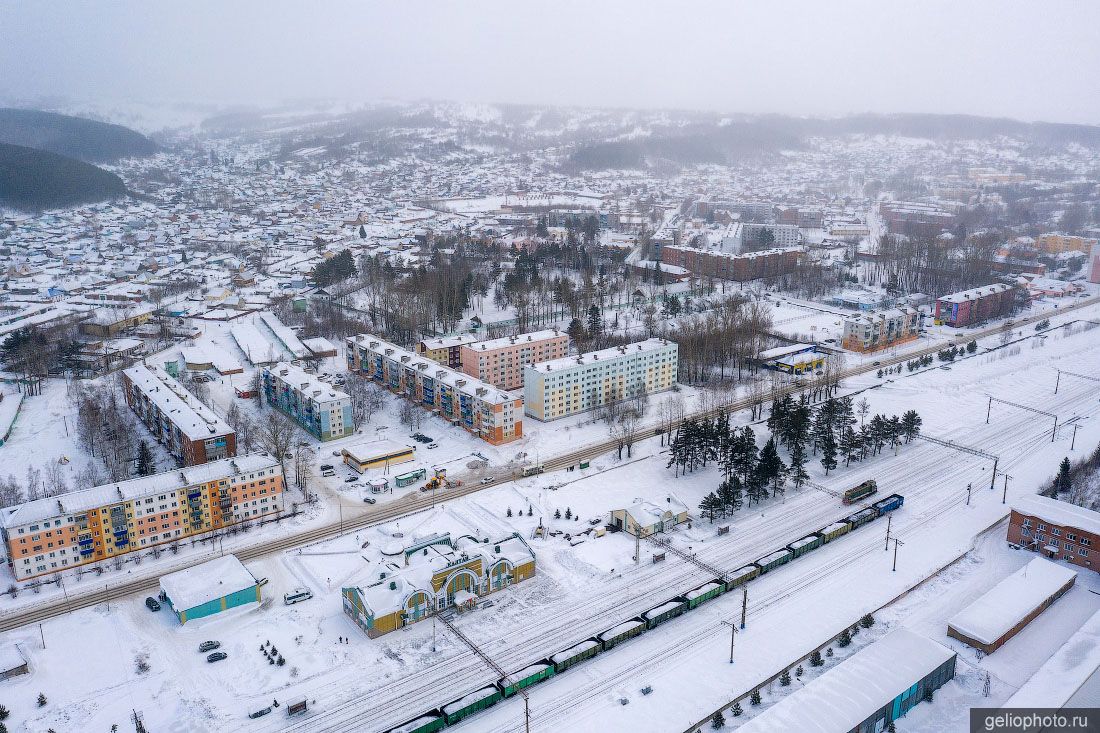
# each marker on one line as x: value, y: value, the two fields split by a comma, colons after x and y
x: 433, y: 574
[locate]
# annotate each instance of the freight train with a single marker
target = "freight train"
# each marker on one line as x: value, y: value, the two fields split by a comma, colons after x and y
x: 490, y: 695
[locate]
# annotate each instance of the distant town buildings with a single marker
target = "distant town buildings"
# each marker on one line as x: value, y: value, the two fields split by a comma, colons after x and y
x: 433, y: 574
x: 318, y: 407
x: 501, y: 361
x: 85, y: 526
x: 190, y: 430
x: 481, y: 408
x: 976, y: 305
x: 914, y: 219
x: 1093, y: 265
x: 572, y: 384
x: 876, y: 330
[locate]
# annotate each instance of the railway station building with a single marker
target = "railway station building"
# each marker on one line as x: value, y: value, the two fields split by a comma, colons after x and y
x: 1056, y: 529
x: 433, y: 574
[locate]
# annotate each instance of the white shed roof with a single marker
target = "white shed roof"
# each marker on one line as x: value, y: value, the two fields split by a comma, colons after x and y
x: 199, y: 584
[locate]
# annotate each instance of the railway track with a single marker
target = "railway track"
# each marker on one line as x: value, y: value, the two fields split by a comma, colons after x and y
x: 396, y: 510
x: 927, y: 482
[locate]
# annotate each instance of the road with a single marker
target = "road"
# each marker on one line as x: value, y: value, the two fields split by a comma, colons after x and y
x: 417, y: 502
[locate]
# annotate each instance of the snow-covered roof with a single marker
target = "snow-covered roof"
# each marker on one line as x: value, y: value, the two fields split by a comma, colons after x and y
x: 849, y: 693
x: 604, y: 355
x: 974, y: 293
x: 447, y: 342
x: 200, y: 584
x: 373, y: 450
x: 1059, y: 512
x: 193, y: 418
x: 1066, y: 673
x: 305, y: 383
x: 523, y: 338
x: 1006, y: 604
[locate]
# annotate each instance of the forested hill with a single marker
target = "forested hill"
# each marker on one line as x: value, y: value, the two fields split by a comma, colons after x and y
x: 75, y: 137
x: 33, y: 180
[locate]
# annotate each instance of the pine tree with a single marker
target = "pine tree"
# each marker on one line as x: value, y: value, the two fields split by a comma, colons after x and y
x: 4, y: 712
x: 771, y: 467
x: 41, y: 699
x: 799, y: 671
x: 557, y: 514
x: 362, y: 232
x: 754, y: 698
x: 568, y: 513
x: 849, y: 444
x: 910, y: 425
x: 844, y: 639
x: 710, y: 506
x: 867, y: 621
x: 530, y: 511
x: 1063, y: 482
x: 785, y: 678
x: 595, y: 321
x: 145, y: 465
x: 828, y: 452
x: 737, y: 710
x: 816, y: 660
x: 798, y: 473
x: 730, y: 494
x: 576, y: 331
x: 717, y: 720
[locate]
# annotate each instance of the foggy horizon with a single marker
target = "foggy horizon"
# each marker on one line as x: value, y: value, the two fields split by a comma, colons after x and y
x: 986, y: 59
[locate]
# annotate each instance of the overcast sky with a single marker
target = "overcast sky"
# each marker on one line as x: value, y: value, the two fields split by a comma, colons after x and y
x: 1037, y: 60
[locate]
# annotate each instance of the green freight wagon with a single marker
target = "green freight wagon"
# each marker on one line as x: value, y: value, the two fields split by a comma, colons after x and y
x: 411, y: 477
x: 741, y: 576
x: 774, y: 560
x: 575, y: 655
x: 526, y: 677
x: 834, y: 530
x: 804, y: 545
x: 704, y: 593
x: 618, y: 634
x: 475, y: 702
x: 664, y: 612
x: 851, y: 496
x: 861, y: 518
x: 424, y: 724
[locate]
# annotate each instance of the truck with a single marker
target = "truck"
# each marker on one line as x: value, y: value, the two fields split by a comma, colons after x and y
x: 533, y: 470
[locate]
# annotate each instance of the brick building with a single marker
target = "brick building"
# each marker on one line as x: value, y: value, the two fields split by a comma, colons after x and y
x: 500, y: 362
x: 1056, y: 529
x: 876, y: 330
x: 739, y: 267
x: 190, y: 430
x: 976, y: 305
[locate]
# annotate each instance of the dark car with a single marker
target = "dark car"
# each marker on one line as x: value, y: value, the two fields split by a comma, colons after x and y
x: 209, y: 646
x: 351, y: 479
x: 217, y: 657
x: 370, y: 500
x: 152, y: 603
x: 260, y: 713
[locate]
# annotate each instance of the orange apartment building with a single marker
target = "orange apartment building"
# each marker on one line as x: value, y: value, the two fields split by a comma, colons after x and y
x: 500, y: 362
x: 54, y: 534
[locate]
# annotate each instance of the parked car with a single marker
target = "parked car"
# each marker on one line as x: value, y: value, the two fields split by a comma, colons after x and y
x: 351, y: 479
x: 326, y: 467
x: 433, y: 445
x: 152, y: 603
x: 370, y: 500
x: 297, y: 595
x: 209, y: 646
x: 337, y: 453
x: 217, y: 657
x: 260, y: 713
x: 261, y: 582
x: 328, y: 472
x: 487, y: 480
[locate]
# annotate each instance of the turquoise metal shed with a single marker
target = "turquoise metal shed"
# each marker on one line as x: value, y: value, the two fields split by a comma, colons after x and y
x: 209, y: 588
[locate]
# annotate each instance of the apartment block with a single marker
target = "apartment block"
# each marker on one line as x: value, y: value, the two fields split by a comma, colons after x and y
x: 500, y: 362
x: 973, y: 306
x: 190, y: 430
x: 1058, y: 243
x: 319, y: 408
x: 481, y: 408
x: 566, y: 386
x: 876, y: 330
x: 726, y: 266
x: 50, y: 535
x: 446, y: 350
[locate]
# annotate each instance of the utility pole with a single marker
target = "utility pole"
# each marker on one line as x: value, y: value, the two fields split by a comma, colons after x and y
x: 744, y: 604
x: 988, y: 409
x: 888, y: 518
x: 733, y: 634
x: 1004, y: 496
x: 637, y: 546
x: 1073, y: 441
x: 42, y: 635
x: 896, y: 543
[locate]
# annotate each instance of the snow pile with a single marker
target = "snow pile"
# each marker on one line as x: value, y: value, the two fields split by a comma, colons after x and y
x: 1006, y: 604
x: 856, y: 689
